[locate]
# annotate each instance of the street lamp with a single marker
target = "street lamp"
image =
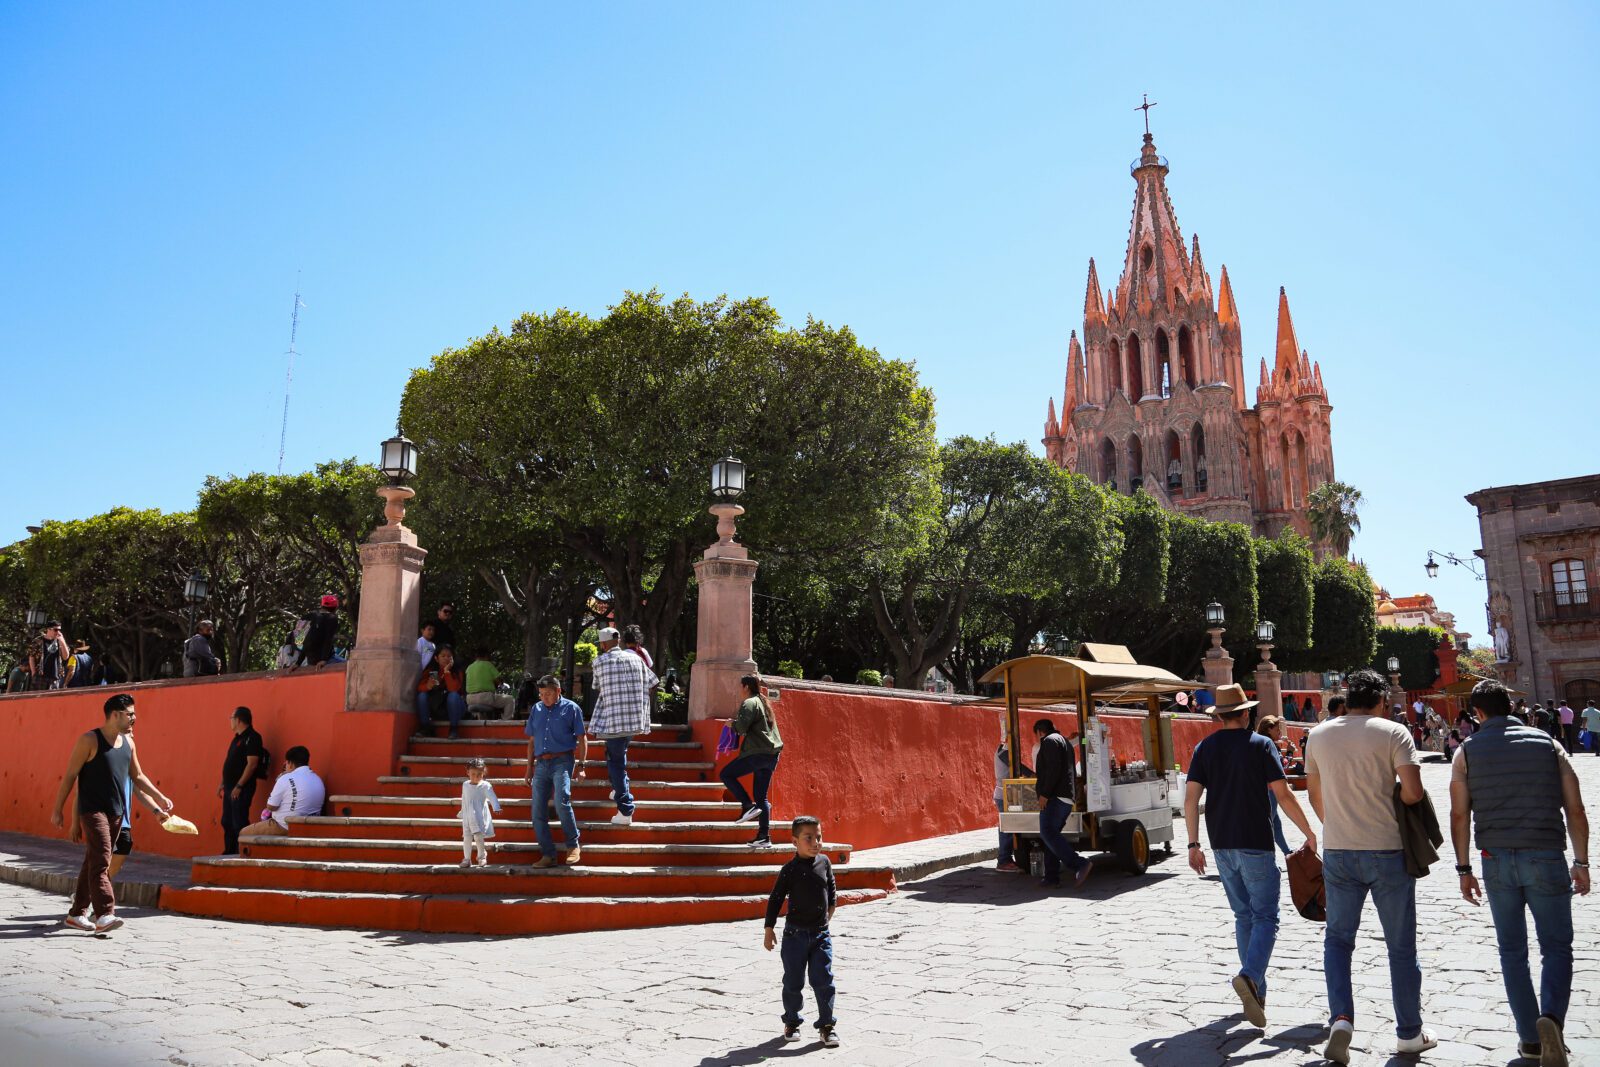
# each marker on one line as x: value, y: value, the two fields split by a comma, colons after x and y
x: 195, y: 589
x: 398, y: 462
x: 727, y: 478
x: 1394, y: 664
x: 36, y: 618
x: 1265, y: 632
x: 727, y: 484
x: 1214, y: 616
x: 1432, y: 566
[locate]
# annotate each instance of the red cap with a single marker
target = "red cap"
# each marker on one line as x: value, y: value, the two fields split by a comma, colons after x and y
x: 330, y: 601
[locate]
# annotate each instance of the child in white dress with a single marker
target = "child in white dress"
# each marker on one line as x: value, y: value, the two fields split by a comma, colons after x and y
x: 477, y: 799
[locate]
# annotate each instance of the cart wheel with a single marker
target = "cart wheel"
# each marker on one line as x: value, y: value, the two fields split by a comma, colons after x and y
x: 1133, y: 846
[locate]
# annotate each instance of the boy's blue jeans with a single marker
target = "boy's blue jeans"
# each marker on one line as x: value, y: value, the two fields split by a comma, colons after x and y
x: 1349, y: 875
x: 553, y: 776
x: 1250, y: 878
x: 1537, y: 880
x: 807, y: 951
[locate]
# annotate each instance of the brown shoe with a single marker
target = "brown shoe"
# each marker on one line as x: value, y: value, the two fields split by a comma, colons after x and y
x: 545, y: 861
x: 574, y: 854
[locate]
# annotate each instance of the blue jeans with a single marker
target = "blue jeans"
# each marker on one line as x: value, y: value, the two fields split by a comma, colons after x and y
x: 1277, y: 823
x: 1538, y: 880
x: 1250, y: 878
x: 1005, y: 858
x: 1056, y: 849
x: 455, y: 705
x: 759, y: 768
x: 1349, y: 875
x: 553, y: 776
x: 804, y: 950
x: 617, y: 768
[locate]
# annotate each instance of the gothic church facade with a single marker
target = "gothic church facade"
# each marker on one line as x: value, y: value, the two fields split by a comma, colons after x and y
x: 1155, y: 391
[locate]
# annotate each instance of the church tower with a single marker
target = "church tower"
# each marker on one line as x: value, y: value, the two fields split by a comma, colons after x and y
x: 1155, y: 394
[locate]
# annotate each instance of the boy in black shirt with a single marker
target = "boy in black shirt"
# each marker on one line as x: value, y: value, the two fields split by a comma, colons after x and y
x: 807, y: 883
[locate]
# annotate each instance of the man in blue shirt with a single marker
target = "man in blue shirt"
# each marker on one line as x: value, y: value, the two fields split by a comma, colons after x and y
x: 1237, y: 766
x: 556, y: 742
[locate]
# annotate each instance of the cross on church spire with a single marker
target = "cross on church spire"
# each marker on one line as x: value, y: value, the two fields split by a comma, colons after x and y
x: 1145, y: 107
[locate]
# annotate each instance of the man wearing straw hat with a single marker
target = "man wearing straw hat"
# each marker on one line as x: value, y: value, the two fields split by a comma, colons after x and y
x: 1237, y: 767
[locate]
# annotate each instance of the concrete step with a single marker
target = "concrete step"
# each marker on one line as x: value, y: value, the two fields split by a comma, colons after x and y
x: 664, y: 770
x: 362, y: 850
x: 445, y: 806
x: 594, y: 831
x: 440, y: 781
x: 449, y: 877
x: 518, y: 746
x: 472, y: 914
x: 514, y: 728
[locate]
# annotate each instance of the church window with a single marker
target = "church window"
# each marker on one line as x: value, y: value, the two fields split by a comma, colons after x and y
x: 1163, y: 363
x: 1197, y: 447
x: 1174, y: 463
x: 1135, y: 464
x: 1135, y: 368
x: 1108, y: 463
x: 1186, y: 356
x: 1570, y: 582
x: 1114, y: 369
x: 1148, y: 256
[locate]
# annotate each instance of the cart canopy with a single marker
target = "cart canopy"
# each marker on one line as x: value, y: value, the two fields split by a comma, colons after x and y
x: 1037, y: 681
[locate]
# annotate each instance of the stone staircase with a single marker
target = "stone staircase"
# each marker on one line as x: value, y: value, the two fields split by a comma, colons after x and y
x: 390, y: 860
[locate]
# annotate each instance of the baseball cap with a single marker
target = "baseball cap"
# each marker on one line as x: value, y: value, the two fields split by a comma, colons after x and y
x: 610, y: 634
x: 330, y: 601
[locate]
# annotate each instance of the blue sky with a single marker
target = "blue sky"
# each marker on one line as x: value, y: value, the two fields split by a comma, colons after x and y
x: 935, y: 176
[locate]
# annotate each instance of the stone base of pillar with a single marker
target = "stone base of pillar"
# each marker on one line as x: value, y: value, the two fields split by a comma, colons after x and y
x: 1269, y: 691
x: 724, y: 631
x: 1218, y: 668
x: 382, y: 673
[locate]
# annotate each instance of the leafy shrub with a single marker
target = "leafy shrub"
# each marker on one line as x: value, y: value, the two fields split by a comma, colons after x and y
x: 868, y: 676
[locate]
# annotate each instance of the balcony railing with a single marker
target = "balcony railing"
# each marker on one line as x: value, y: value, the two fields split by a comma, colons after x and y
x: 1570, y: 606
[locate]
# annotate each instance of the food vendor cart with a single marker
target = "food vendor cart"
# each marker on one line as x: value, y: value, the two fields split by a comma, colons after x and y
x: 1116, y: 808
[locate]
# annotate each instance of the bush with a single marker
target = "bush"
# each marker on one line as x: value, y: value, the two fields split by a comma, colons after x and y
x: 583, y: 653
x: 788, y: 668
x: 868, y: 676
x: 1414, y: 647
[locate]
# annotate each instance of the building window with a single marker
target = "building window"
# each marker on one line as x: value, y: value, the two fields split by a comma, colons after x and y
x: 1569, y: 581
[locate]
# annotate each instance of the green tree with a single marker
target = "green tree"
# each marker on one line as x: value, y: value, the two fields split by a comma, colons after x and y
x: 1414, y: 647
x: 598, y: 434
x: 1284, y: 568
x: 1343, y: 621
x: 1333, y: 510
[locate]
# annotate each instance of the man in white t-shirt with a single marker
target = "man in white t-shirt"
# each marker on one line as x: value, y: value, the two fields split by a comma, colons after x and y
x: 1351, y: 765
x: 298, y: 791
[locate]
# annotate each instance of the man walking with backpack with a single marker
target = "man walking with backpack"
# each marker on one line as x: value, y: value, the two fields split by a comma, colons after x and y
x: 1512, y: 783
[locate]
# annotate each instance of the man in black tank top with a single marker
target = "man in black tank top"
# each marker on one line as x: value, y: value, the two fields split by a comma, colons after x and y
x: 102, y: 765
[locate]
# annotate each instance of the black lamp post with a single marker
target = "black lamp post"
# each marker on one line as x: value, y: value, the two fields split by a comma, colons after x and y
x: 1214, y: 615
x: 727, y: 479
x: 398, y: 459
x: 195, y: 590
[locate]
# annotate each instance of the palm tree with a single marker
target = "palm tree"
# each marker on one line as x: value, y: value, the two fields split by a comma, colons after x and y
x: 1332, y: 507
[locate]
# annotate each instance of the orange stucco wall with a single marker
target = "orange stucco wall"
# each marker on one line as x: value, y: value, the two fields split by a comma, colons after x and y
x: 183, y: 735
x: 883, y: 769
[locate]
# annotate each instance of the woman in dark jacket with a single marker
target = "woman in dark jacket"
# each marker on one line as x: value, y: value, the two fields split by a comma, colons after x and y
x: 758, y: 755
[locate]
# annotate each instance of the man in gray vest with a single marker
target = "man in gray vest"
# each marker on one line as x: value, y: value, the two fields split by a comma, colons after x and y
x: 1513, y: 782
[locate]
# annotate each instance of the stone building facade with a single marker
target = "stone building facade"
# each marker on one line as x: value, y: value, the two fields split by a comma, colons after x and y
x: 1155, y: 391
x: 1541, y: 551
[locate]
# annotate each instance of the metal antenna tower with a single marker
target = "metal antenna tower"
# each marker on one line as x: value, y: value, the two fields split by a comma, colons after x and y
x: 288, y: 378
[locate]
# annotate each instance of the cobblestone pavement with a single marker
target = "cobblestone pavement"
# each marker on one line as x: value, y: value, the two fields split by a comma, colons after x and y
x: 966, y: 967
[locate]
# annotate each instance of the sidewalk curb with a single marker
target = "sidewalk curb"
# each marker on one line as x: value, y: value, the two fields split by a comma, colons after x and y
x: 910, y: 872
x: 133, y: 894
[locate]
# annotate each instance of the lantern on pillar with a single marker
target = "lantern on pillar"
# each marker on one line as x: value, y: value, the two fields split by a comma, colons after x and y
x: 1214, y: 615
x: 727, y: 479
x: 398, y: 459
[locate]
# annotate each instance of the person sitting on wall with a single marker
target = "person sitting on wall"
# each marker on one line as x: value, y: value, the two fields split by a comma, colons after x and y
x: 298, y: 791
x: 322, y: 625
x: 441, y: 687
x: 483, y: 695
x: 198, y: 658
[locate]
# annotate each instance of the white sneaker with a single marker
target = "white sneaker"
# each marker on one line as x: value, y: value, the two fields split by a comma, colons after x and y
x: 106, y: 923
x: 749, y: 815
x: 1338, y: 1047
x: 78, y: 922
x: 761, y: 842
x: 620, y: 819
x: 611, y: 795
x: 1421, y: 1043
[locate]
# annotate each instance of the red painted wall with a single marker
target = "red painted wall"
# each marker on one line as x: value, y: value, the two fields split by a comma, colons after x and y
x: 883, y: 769
x: 183, y: 735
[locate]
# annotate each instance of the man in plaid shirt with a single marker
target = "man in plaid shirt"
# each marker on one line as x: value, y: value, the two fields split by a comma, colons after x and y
x: 621, y: 710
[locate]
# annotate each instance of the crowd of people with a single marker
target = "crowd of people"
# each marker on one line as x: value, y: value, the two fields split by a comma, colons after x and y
x: 1513, y: 794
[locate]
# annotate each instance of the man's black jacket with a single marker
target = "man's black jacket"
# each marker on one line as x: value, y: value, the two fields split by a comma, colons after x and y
x: 1056, y: 772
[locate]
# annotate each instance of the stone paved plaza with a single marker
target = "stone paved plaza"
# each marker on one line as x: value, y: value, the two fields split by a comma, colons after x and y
x: 964, y: 967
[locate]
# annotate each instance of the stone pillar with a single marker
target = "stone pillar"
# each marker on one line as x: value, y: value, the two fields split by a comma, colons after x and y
x: 1218, y: 664
x: 383, y: 665
x: 1449, y: 670
x: 1269, y: 683
x: 724, y: 626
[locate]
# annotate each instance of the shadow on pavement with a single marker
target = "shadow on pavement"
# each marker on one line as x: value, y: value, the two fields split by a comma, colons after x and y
x: 770, y: 1049
x: 984, y: 885
x: 1218, y: 1044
